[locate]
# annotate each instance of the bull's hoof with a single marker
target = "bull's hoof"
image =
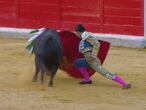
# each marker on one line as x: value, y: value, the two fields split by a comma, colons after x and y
x: 50, y: 85
x: 34, y: 79
x: 43, y: 89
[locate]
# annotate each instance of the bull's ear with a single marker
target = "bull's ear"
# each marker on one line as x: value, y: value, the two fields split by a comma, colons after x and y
x: 34, y: 31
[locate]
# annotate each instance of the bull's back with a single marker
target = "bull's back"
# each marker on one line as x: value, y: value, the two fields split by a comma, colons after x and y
x: 49, y: 46
x: 52, y: 50
x: 49, y: 40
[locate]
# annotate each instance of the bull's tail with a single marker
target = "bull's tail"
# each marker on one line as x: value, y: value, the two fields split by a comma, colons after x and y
x: 30, y: 41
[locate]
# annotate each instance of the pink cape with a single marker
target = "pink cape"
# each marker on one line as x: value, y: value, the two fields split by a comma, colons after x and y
x: 70, y: 48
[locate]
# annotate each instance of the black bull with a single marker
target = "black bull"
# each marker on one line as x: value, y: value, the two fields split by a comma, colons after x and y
x: 48, y: 51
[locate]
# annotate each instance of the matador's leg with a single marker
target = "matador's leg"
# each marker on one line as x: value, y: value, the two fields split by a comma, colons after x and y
x: 94, y: 63
x: 82, y: 66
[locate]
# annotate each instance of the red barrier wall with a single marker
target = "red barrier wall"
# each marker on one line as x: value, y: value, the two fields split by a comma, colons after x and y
x: 124, y: 16
x: 8, y: 13
x: 104, y: 16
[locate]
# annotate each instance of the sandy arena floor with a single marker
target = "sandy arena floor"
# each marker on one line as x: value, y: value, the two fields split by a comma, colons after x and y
x: 17, y: 92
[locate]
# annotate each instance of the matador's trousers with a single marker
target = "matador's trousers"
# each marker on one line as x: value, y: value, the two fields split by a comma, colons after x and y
x: 94, y: 63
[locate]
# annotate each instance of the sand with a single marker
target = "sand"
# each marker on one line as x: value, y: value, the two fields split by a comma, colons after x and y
x: 18, y: 92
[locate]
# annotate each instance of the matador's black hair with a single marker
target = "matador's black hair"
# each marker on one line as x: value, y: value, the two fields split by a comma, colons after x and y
x: 80, y: 28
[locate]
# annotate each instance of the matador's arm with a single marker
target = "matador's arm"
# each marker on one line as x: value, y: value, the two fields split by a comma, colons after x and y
x: 95, y: 43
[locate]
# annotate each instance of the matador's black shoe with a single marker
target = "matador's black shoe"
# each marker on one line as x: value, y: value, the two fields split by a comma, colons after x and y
x: 85, y: 82
x: 128, y: 86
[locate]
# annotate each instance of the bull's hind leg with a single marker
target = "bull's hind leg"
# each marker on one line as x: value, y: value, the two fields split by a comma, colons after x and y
x: 42, y: 77
x: 37, y: 70
x: 53, y: 73
x: 43, y: 71
x: 51, y: 81
x: 36, y: 75
x: 41, y: 65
